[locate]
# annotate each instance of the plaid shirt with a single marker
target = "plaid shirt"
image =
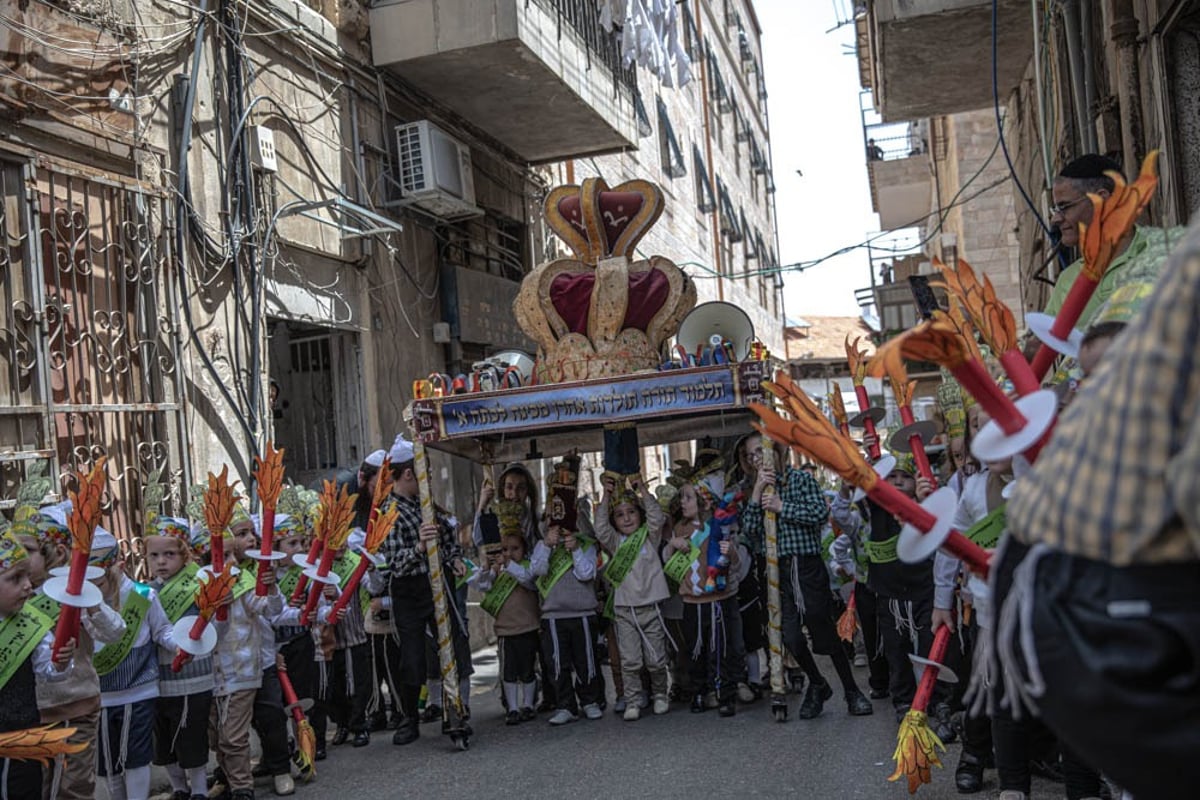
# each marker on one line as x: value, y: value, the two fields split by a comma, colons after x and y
x: 801, y: 521
x: 1120, y: 480
x: 400, y: 547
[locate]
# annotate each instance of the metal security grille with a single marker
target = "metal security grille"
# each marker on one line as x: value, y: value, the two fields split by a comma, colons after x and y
x: 90, y: 348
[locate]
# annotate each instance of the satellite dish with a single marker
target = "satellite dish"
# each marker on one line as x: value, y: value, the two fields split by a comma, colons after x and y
x: 724, y: 321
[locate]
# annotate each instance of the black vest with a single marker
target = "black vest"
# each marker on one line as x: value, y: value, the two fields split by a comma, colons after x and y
x: 18, y: 700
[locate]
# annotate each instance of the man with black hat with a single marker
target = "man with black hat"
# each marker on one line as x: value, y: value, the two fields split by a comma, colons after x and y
x: 1139, y: 258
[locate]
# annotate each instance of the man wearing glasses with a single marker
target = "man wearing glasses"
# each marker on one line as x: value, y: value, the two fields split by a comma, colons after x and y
x: 1139, y: 257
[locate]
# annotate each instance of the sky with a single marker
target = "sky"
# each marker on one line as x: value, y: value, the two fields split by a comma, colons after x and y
x: 816, y: 128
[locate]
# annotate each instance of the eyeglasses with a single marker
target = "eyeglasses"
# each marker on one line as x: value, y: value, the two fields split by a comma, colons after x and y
x: 1059, y: 209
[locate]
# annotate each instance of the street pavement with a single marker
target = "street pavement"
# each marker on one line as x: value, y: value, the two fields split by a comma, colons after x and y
x: 679, y: 755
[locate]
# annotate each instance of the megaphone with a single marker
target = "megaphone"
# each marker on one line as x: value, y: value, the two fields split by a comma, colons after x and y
x: 522, y: 361
x: 717, y: 322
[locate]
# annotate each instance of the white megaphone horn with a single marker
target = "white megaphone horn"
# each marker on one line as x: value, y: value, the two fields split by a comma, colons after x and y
x: 717, y: 321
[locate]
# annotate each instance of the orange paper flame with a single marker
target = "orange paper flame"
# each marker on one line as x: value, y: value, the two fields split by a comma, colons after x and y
x: 939, y: 340
x: 902, y: 388
x: 337, y: 512
x: 916, y: 751
x: 214, y: 591
x: 992, y: 318
x: 810, y: 433
x: 219, y: 498
x: 838, y: 405
x: 268, y: 475
x: 39, y: 744
x: 380, y: 530
x: 847, y: 623
x: 306, y: 749
x: 1114, y: 216
x: 857, y: 359
x: 85, y: 507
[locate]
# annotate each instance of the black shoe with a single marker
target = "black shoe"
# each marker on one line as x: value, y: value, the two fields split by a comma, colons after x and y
x: 879, y: 694
x: 432, y: 713
x: 727, y: 709
x: 528, y: 714
x: 698, y: 706
x: 340, y: 737
x: 858, y: 705
x: 942, y: 723
x: 377, y: 722
x: 968, y: 777
x: 242, y: 794
x: 320, y: 754
x: 814, y: 700
x: 544, y: 707
x: 181, y: 795
x: 361, y: 739
x: 512, y: 718
x: 394, y: 720
x: 407, y: 733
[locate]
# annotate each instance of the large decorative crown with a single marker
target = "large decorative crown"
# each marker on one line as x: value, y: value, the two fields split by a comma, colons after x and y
x: 602, y: 314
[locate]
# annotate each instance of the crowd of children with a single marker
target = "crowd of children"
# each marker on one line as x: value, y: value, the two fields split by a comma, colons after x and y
x: 667, y: 588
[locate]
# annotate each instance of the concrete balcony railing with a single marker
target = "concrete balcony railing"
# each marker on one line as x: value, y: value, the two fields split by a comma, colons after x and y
x: 540, y: 76
x: 926, y: 58
x: 898, y: 171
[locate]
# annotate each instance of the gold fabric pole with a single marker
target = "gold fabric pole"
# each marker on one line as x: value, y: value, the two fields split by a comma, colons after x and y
x: 779, y: 709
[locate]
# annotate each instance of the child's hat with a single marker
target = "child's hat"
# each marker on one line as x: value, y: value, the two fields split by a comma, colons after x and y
x: 905, y: 463
x: 402, y: 450
x: 105, y: 549
x: 199, y: 540
x: 171, y: 528
x: 375, y: 459
x: 287, y: 525
x: 11, y: 551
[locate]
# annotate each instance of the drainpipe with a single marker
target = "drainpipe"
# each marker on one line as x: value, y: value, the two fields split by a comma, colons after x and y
x: 1079, y: 69
x: 1124, y: 32
x: 708, y: 151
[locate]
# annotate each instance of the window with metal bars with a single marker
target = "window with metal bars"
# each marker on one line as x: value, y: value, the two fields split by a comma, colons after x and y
x: 643, y: 117
x: 668, y: 145
x: 705, y: 199
x: 751, y: 242
x: 691, y: 36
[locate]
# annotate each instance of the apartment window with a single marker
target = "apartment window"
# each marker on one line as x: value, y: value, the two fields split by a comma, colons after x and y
x: 706, y: 201
x: 668, y: 144
x: 728, y: 216
x: 752, y: 243
x: 691, y: 36
x: 643, y: 118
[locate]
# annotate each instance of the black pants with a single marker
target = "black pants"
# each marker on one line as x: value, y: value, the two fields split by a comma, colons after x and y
x: 905, y: 628
x: 412, y: 616
x: 866, y: 604
x: 815, y: 611
x: 1119, y: 650
x: 752, y: 602
x: 569, y: 648
x: 270, y: 723
x: 709, y: 637
x: 385, y: 659
x: 179, y: 737
x: 20, y: 778
x: 520, y: 656
x: 350, y: 687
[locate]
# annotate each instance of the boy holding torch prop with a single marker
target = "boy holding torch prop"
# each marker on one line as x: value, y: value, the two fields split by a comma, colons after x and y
x: 268, y: 481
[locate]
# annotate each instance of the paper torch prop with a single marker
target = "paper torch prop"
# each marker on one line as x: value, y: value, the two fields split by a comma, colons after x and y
x: 72, y: 591
x: 378, y: 526
x: 1112, y: 219
x: 992, y: 319
x: 847, y: 623
x: 192, y: 634
x: 268, y: 481
x: 1015, y: 427
x: 337, y: 513
x: 838, y: 406
x: 867, y: 417
x: 219, y: 499
x: 913, y: 437
x: 916, y: 744
x: 39, y: 744
x: 810, y: 433
x: 306, y: 737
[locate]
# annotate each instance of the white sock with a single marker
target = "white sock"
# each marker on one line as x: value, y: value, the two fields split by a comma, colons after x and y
x: 199, y: 780
x: 753, y: 668
x: 179, y: 781
x: 435, y: 693
x: 137, y: 782
x: 510, y: 694
x: 116, y: 787
x: 529, y: 690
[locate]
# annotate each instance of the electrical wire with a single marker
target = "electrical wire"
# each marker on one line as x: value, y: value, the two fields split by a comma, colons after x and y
x: 1000, y: 121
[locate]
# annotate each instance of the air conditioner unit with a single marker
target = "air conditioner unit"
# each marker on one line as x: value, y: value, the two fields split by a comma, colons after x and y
x: 435, y: 171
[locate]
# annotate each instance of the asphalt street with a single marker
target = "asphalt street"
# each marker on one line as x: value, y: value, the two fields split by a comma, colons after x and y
x: 679, y: 755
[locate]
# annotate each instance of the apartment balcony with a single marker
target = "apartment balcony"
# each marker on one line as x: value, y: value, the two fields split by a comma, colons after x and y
x: 539, y: 76
x: 898, y: 171
x: 926, y: 58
